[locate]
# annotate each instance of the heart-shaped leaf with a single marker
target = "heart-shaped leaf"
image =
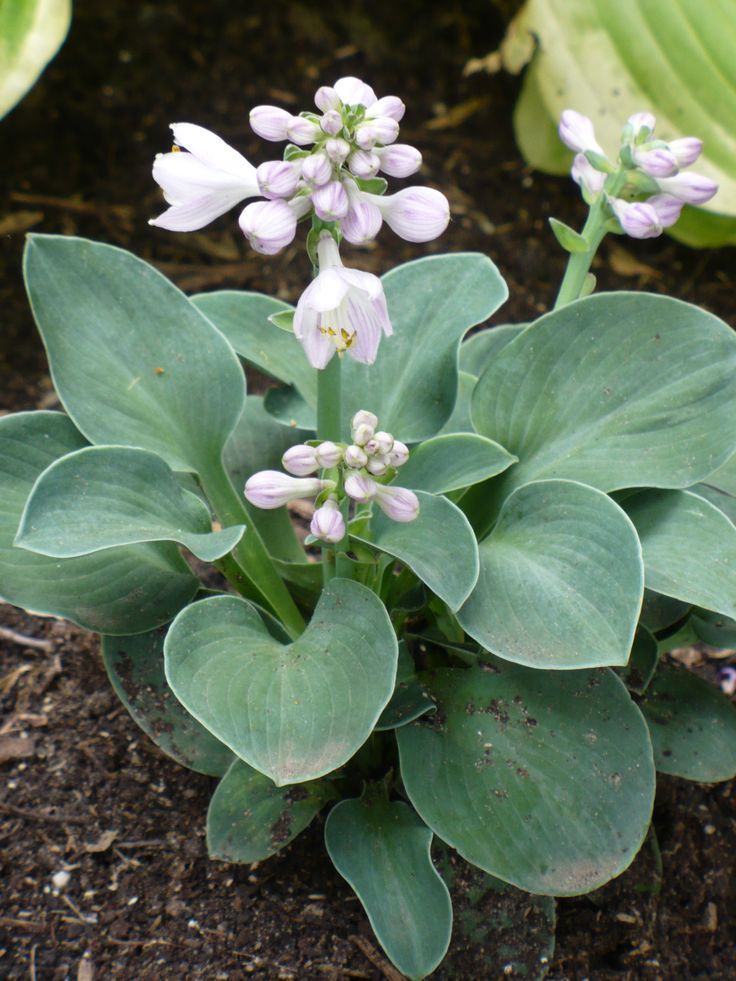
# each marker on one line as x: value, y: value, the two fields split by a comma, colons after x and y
x: 576, y: 396
x: 643, y: 661
x: 659, y: 612
x: 118, y: 591
x: 451, y: 462
x: 133, y: 360
x: 692, y: 725
x: 249, y: 818
x: 383, y: 850
x: 439, y: 546
x: 460, y: 421
x: 479, y: 349
x: 293, y: 711
x: 244, y: 319
x: 432, y: 302
x: 135, y: 666
x: 561, y: 579
x: 408, y: 701
x: 689, y: 548
x: 714, y: 628
x: 103, y: 496
x: 542, y: 778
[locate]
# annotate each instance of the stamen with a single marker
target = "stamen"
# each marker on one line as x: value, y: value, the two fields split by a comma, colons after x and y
x: 176, y: 149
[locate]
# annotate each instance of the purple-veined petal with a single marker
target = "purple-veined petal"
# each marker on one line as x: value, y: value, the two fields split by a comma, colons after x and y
x: 268, y: 225
x: 389, y: 105
x: 353, y: 92
x: 270, y: 122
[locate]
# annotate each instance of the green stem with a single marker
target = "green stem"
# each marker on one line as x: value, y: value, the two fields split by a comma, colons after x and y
x: 264, y: 583
x: 579, y: 263
x: 329, y: 399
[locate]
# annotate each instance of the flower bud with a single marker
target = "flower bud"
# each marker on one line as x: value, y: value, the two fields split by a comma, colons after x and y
x: 638, y: 219
x: 364, y: 163
x: 277, y: 178
x: 385, y: 129
x: 326, y: 98
x: 328, y: 454
x: 302, y: 131
x: 361, y: 434
x: 641, y: 126
x: 576, y: 131
x: 389, y: 105
x: 330, y: 201
x: 377, y: 465
x: 355, y: 457
x: 317, y: 169
x: 416, y: 214
x: 300, y: 460
x: 362, y: 222
x: 366, y: 136
x: 271, y: 489
x: 686, y: 150
x: 658, y: 162
x: 268, y: 225
x: 331, y: 122
x: 337, y: 150
x: 689, y: 187
x: 397, y: 503
x: 360, y: 487
x: 668, y: 208
x: 328, y: 523
x: 586, y: 175
x: 353, y: 92
x: 270, y: 122
x: 364, y: 418
x: 399, y: 160
x: 399, y: 454
x: 381, y: 443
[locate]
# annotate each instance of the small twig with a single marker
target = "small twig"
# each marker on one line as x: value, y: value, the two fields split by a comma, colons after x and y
x: 369, y: 951
x: 30, y: 925
x: 16, y: 638
x: 151, y: 843
x: 32, y: 965
x: 21, y: 812
x: 83, y: 918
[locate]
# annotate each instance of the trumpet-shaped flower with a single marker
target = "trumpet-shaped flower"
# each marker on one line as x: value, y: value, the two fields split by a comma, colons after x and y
x: 269, y: 489
x: 341, y: 310
x: 416, y: 214
x: 202, y: 184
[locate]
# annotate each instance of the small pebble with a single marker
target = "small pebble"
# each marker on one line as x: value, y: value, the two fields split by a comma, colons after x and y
x: 60, y: 880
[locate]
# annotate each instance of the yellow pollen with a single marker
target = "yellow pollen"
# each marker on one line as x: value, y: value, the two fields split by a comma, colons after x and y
x: 176, y: 149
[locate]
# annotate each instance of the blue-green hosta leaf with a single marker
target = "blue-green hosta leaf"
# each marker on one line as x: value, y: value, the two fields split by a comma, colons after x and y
x: 383, y: 850
x: 249, y: 818
x: 439, y: 546
x: 451, y: 462
x: 432, y: 302
x: 561, y: 579
x: 135, y: 666
x: 118, y: 591
x: 615, y: 390
x: 133, y: 360
x: 296, y: 711
x: 460, y: 421
x: 659, y: 612
x: 479, y: 349
x: 542, y: 778
x: 243, y: 319
x: 31, y: 32
x: 692, y: 725
x: 608, y: 60
x: 721, y: 499
x: 102, y: 496
x: 643, y: 661
x: 408, y: 701
x: 714, y: 628
x: 689, y: 548
x: 724, y: 478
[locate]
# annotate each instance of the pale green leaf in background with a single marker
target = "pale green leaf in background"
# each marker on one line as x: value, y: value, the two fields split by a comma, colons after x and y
x: 31, y: 32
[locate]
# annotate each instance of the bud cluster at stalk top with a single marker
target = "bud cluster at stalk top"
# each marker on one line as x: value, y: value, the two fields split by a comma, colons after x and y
x: 646, y: 188
x: 329, y: 171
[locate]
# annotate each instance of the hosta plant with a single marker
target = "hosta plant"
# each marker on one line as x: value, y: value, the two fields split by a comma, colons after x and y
x: 507, y: 528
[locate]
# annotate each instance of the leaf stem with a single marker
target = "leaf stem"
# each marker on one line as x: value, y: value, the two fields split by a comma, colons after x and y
x: 264, y: 584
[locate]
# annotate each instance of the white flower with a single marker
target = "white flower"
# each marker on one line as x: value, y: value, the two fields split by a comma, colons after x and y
x: 360, y: 487
x: 278, y: 178
x: 399, y: 160
x: 656, y: 161
x: 353, y: 92
x: 300, y: 460
x: 269, y: 226
x: 328, y: 523
x: 586, y: 176
x: 202, y: 184
x: 270, y: 122
x: 355, y: 457
x: 689, y: 187
x: 416, y: 214
x: 341, y: 310
x: 638, y: 218
x: 399, y: 454
x: 397, y: 503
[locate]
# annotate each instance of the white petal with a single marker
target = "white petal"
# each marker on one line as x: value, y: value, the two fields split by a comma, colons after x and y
x: 367, y: 336
x: 353, y: 92
x: 183, y: 177
x: 364, y: 281
x: 192, y: 215
x: 318, y: 347
x: 328, y: 290
x: 212, y: 151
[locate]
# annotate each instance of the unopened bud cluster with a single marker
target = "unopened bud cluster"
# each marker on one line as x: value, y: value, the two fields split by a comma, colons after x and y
x: 647, y: 187
x: 357, y: 470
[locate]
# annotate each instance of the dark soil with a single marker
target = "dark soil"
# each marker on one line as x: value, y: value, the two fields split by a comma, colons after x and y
x: 86, y: 792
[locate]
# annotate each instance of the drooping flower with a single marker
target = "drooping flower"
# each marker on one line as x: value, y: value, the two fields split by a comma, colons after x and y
x: 416, y: 214
x: 341, y: 310
x: 203, y: 183
x: 397, y: 503
x: 637, y: 218
x: 269, y: 226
